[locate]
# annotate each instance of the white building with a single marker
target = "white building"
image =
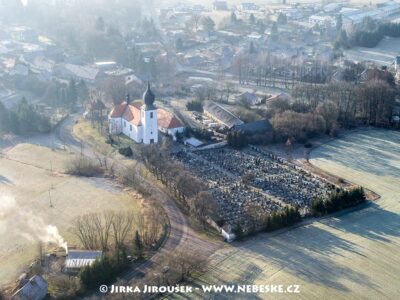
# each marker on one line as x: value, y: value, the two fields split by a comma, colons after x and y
x: 141, y: 121
x: 78, y: 259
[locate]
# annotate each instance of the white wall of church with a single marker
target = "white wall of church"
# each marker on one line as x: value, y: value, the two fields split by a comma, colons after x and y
x: 150, y: 126
x: 132, y: 131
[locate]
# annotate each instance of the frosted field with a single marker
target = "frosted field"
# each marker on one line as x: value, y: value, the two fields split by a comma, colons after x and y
x: 383, y: 54
x: 352, y: 255
x: 25, y: 213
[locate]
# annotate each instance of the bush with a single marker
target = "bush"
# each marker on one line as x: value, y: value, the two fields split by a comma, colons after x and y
x: 126, y: 151
x: 100, y: 272
x: 201, y: 134
x: 237, y: 139
x: 286, y: 217
x: 83, y: 166
x: 195, y: 106
x: 308, y: 145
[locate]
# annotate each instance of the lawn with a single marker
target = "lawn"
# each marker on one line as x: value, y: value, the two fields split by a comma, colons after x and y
x: 351, y: 255
x: 29, y: 177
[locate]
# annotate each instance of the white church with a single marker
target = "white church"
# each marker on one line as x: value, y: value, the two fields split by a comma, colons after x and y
x: 141, y: 121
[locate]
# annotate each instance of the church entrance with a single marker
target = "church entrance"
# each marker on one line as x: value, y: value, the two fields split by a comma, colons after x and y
x: 151, y: 141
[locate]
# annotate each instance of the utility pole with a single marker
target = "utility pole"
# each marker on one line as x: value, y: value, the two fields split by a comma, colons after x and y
x: 50, y: 202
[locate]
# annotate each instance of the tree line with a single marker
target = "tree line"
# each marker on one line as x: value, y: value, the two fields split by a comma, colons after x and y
x: 319, y: 109
x: 265, y: 69
x: 191, y: 192
x: 337, y: 201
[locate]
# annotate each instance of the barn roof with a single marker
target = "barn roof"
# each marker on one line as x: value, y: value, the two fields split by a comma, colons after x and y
x: 222, y: 114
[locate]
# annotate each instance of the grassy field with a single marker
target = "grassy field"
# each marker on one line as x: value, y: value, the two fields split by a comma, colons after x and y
x: 383, y: 54
x: 29, y: 177
x: 351, y: 255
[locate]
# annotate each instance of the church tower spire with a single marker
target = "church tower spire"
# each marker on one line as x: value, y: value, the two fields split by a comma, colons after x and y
x: 149, y: 117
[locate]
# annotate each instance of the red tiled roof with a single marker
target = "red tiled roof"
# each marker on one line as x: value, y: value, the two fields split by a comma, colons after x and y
x: 118, y: 110
x: 167, y: 120
x: 130, y: 113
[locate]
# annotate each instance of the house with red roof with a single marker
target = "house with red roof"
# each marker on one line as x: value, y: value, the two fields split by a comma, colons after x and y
x: 141, y: 120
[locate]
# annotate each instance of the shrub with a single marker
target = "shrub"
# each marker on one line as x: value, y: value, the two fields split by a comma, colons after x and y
x: 195, y: 106
x: 126, y: 151
x: 287, y: 217
x: 83, y: 166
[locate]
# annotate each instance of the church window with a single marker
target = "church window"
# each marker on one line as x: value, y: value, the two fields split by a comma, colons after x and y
x: 124, y: 124
x: 131, y: 127
x: 151, y: 115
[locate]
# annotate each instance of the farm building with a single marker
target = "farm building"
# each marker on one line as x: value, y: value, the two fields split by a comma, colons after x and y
x: 256, y: 127
x: 221, y: 115
x: 250, y: 98
x: 35, y: 289
x: 77, y: 259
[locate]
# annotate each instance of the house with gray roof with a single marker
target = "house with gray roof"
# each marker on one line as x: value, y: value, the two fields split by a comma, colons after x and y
x: 35, y: 289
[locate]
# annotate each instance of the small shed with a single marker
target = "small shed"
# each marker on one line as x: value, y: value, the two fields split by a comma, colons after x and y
x: 77, y: 259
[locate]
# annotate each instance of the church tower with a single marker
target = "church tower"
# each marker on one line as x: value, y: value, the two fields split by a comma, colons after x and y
x: 149, y: 118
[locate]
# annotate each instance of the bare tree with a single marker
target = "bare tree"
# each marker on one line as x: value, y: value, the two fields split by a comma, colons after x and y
x: 184, y: 262
x: 121, y: 226
x: 204, y: 206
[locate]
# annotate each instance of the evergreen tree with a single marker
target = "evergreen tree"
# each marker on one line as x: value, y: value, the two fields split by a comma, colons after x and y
x: 252, y: 19
x: 208, y: 24
x: 4, y: 119
x: 72, y: 93
x: 282, y: 19
x: 100, y: 24
x: 82, y: 91
x: 261, y: 27
x: 138, y: 246
x: 252, y: 49
x: 179, y: 44
x: 274, y: 30
x: 339, y: 23
x: 233, y: 19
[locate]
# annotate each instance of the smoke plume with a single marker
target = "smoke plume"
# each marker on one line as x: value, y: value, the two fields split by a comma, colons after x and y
x: 23, y: 222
